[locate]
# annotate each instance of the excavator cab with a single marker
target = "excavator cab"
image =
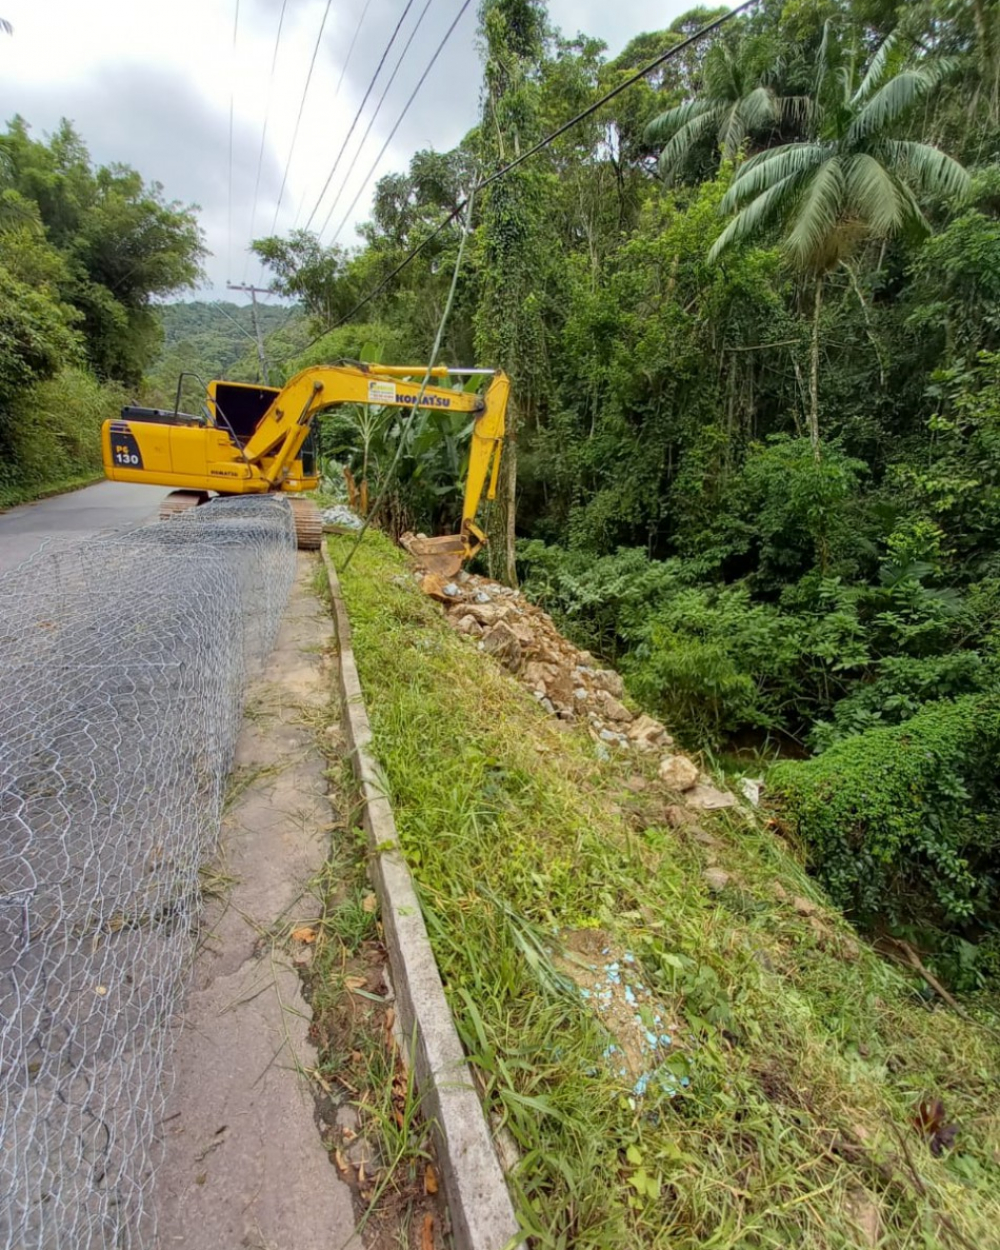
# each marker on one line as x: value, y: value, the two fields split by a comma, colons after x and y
x: 239, y: 407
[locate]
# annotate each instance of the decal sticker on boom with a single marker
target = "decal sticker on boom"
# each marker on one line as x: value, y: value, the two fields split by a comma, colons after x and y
x: 381, y: 392
x: 124, y: 448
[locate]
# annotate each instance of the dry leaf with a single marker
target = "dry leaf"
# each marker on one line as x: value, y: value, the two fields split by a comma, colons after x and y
x: 305, y: 934
x: 390, y: 1019
x: 930, y: 1120
x: 355, y: 983
x: 427, y: 1237
x: 369, y: 903
x: 430, y: 1180
x: 340, y: 1160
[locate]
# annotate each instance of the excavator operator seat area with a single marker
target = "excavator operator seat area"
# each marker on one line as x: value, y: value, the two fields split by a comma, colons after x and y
x: 239, y: 407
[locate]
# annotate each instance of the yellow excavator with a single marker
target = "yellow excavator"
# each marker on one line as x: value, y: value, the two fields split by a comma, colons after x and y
x: 252, y: 440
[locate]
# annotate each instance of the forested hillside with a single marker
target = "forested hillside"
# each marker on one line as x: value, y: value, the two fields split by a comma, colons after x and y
x: 749, y: 311
x: 84, y: 252
x: 215, y: 339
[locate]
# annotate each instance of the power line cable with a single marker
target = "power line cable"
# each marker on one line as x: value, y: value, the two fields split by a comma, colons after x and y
x: 232, y: 93
x: 357, y: 115
x: 354, y: 40
x: 298, y: 119
x: 623, y: 86
x: 292, y: 310
x: 263, y: 133
x: 543, y: 143
x: 294, y: 307
x: 336, y: 93
x: 242, y: 329
x: 373, y: 511
x: 406, y: 107
x: 378, y: 108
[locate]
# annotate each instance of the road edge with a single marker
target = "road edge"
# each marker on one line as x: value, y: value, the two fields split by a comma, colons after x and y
x: 479, y: 1203
x: 52, y: 492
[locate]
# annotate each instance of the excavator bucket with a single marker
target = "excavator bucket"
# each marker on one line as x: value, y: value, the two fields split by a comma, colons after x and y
x: 442, y: 556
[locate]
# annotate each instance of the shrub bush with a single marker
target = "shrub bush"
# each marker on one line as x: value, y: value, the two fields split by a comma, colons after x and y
x: 52, y: 437
x: 903, y: 822
x: 711, y: 662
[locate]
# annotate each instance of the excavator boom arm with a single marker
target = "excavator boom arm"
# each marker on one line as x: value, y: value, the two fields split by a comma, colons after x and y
x: 284, y: 427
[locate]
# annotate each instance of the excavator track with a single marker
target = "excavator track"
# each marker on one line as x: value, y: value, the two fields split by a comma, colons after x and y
x: 179, y: 501
x: 308, y: 524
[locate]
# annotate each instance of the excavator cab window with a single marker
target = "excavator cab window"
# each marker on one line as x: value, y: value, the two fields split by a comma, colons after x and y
x: 239, y: 408
x: 308, y: 453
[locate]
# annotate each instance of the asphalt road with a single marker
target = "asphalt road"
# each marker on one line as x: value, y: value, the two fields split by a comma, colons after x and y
x: 95, y: 509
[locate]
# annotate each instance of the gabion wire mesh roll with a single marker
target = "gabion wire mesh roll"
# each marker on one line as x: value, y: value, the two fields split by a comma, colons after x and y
x: 123, y: 667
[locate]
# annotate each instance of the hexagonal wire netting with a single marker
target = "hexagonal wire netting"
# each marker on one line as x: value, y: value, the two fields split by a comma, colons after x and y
x: 123, y: 666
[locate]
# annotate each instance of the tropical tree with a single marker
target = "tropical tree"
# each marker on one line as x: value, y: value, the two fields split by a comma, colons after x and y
x: 738, y: 104
x: 849, y: 183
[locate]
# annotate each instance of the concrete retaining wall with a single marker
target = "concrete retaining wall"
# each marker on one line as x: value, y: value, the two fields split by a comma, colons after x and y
x: 481, y: 1211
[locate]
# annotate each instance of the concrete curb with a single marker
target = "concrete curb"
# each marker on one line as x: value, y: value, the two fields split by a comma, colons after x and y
x: 482, y: 1214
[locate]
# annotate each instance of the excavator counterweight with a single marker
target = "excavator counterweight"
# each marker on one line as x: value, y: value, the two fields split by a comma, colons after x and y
x: 252, y: 440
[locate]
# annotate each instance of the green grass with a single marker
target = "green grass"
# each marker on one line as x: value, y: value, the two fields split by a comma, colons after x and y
x: 13, y: 496
x: 807, y: 1054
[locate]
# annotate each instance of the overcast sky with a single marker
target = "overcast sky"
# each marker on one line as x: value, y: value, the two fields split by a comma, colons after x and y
x: 149, y: 83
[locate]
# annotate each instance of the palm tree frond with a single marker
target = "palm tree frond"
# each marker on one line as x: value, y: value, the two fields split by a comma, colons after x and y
x: 822, y: 55
x: 683, y: 141
x: 875, y: 73
x: 818, y: 213
x: 874, y: 195
x: 890, y: 101
x: 768, y: 168
x: 928, y: 167
x: 797, y: 109
x: 732, y: 132
x: 759, y: 108
x: 758, y: 215
x: 667, y: 124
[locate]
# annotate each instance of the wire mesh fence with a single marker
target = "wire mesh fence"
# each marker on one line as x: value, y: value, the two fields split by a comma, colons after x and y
x: 123, y: 664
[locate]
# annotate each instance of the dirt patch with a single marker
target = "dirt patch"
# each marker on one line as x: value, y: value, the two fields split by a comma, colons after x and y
x: 646, y: 1048
x: 367, y: 1108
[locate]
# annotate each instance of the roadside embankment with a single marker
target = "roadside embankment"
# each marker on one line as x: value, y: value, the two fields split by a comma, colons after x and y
x: 687, y: 1045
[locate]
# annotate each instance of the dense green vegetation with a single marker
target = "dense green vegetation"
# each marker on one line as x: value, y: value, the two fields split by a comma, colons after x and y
x: 787, y: 1109
x: 84, y: 252
x: 749, y: 310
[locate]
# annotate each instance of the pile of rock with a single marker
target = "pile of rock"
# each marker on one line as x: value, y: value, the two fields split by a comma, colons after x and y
x: 566, y: 681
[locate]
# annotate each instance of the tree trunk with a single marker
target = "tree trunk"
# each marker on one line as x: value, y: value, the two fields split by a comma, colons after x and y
x: 814, y: 371
x: 510, y: 553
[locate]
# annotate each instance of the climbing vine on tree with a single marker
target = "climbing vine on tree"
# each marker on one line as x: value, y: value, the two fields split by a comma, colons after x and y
x: 510, y: 329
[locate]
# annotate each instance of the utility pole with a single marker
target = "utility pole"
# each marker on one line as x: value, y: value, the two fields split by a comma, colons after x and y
x: 231, y: 286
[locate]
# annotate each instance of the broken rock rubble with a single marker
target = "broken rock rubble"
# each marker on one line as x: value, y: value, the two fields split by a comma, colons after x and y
x: 565, y: 680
